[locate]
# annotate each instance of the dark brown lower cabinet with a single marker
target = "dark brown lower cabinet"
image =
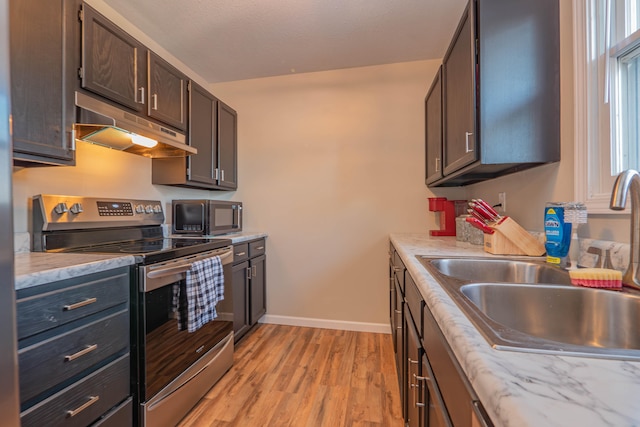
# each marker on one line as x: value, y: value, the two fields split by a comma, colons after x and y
x: 434, y: 390
x: 249, y: 283
x: 413, y: 393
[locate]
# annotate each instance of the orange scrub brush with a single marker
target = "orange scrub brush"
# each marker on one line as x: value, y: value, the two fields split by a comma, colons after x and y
x: 603, y: 278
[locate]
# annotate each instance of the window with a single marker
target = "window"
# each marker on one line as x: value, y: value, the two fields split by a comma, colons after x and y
x: 607, y: 64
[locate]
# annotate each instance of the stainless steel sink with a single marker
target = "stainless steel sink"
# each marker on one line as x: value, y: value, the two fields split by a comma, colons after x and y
x: 500, y: 270
x: 530, y: 306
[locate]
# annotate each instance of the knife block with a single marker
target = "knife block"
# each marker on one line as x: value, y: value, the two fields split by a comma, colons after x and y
x: 511, y: 239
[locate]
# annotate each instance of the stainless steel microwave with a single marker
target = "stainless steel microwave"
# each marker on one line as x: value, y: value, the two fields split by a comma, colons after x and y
x: 206, y: 217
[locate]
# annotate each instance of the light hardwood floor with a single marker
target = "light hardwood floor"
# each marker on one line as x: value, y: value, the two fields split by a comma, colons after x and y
x: 294, y: 376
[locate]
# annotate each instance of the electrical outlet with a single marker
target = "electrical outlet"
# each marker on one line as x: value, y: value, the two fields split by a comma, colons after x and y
x: 502, y: 200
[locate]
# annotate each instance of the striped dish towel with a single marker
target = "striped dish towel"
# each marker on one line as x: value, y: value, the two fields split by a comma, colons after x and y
x: 195, y: 302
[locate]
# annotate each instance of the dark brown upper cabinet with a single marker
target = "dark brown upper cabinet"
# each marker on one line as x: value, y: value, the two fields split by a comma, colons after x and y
x: 459, y: 111
x: 501, y: 92
x: 212, y: 129
x: 203, y: 108
x: 43, y: 36
x: 119, y: 68
x: 167, y: 92
x: 433, y: 129
x: 228, y: 146
x: 114, y: 64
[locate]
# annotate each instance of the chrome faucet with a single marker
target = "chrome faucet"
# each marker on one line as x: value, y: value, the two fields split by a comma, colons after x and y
x: 629, y: 182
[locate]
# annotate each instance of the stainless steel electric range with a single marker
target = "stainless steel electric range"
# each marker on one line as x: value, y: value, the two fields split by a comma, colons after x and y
x: 172, y: 368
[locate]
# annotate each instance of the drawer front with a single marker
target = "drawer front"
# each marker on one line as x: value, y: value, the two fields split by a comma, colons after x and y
x: 414, y: 302
x: 240, y: 253
x: 399, y: 270
x: 44, y: 364
x: 85, y: 401
x: 122, y: 416
x: 257, y: 248
x: 55, y: 307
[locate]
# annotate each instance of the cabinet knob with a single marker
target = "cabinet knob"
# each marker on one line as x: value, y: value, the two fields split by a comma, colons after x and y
x: 141, y: 90
x: 466, y: 140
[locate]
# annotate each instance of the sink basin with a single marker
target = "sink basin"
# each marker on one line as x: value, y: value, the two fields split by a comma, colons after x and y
x: 500, y: 270
x: 531, y: 306
x: 572, y: 315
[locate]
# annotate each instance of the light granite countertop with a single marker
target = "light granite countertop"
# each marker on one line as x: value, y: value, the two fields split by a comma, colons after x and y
x: 38, y: 268
x: 524, y: 389
x: 240, y: 237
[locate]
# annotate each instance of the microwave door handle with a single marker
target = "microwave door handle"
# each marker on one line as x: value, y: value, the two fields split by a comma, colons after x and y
x: 236, y: 217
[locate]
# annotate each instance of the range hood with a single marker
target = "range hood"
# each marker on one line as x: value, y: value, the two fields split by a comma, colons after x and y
x: 104, y: 124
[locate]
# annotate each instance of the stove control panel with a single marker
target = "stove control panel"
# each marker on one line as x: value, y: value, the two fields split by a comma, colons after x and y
x: 74, y: 213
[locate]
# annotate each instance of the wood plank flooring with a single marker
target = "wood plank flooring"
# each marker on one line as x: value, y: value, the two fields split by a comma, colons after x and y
x: 294, y: 376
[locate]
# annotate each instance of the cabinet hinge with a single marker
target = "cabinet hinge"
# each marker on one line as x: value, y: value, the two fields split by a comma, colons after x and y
x: 81, y: 73
x: 189, y: 86
x: 81, y: 14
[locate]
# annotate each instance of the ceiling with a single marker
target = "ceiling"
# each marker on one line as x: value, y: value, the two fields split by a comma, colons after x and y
x: 227, y: 40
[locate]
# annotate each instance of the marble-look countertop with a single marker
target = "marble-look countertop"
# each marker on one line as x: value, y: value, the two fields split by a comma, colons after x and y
x: 38, y: 268
x: 524, y: 389
x: 240, y: 237
x: 244, y: 236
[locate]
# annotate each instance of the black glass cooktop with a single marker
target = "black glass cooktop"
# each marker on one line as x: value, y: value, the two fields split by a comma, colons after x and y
x: 149, y: 251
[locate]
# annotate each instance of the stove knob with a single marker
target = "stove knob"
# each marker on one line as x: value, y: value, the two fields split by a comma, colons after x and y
x: 148, y: 209
x: 139, y: 209
x: 157, y: 209
x: 60, y: 208
x: 76, y: 208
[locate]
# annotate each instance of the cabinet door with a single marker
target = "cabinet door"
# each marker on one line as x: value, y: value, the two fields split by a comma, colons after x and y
x: 113, y: 63
x: 167, y: 92
x: 258, y: 288
x: 399, y: 344
x: 240, y: 283
x: 202, y: 135
x: 433, y: 130
x: 435, y: 413
x: 227, y: 146
x: 42, y: 37
x: 413, y: 372
x: 460, y: 138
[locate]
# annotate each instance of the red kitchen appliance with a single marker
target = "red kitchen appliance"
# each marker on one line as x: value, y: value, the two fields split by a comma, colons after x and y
x: 449, y: 210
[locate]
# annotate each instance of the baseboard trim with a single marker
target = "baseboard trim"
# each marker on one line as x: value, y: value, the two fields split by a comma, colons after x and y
x: 381, y: 328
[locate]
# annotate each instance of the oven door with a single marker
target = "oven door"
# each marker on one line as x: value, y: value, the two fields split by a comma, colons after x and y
x: 176, y: 367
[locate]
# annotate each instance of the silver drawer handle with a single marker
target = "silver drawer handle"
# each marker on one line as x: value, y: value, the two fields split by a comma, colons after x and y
x: 79, y: 304
x: 241, y: 254
x: 259, y: 248
x: 87, y: 350
x: 91, y: 401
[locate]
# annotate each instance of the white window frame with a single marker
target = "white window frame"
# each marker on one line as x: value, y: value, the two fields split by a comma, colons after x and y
x: 592, y: 149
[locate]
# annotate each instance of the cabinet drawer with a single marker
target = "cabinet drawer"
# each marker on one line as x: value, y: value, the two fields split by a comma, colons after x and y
x: 46, y: 363
x: 414, y: 302
x: 399, y: 270
x: 121, y: 416
x: 240, y: 252
x: 257, y: 248
x: 54, y: 305
x: 88, y: 398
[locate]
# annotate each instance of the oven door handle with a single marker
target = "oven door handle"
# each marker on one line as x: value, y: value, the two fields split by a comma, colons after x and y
x: 178, y: 269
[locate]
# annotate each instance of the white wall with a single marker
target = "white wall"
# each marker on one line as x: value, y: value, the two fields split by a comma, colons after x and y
x: 330, y: 163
